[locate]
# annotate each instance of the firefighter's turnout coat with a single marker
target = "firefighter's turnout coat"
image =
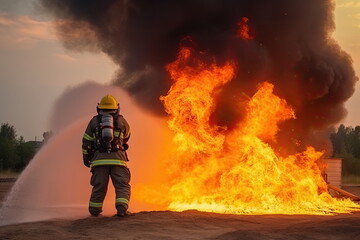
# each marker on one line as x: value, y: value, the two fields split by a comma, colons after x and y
x: 91, y: 141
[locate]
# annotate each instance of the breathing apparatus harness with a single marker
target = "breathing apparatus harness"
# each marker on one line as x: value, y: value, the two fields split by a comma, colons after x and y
x: 105, y: 138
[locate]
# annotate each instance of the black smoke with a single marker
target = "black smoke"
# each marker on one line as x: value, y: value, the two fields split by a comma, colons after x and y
x: 292, y: 48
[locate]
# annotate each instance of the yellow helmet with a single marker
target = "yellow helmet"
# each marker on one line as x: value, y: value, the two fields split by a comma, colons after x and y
x: 108, y: 102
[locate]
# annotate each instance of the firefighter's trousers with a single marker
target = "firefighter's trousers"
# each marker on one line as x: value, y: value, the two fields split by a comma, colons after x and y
x: 120, y: 177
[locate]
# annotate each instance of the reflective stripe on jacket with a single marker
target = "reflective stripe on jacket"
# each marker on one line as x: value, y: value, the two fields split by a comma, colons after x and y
x: 100, y: 162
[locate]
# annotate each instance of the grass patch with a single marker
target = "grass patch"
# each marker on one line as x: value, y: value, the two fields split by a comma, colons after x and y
x: 351, y: 179
x: 9, y: 174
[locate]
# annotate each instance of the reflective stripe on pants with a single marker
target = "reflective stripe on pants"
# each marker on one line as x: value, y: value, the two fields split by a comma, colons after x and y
x: 95, y: 204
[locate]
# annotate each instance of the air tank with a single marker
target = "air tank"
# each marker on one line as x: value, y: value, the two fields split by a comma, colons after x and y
x: 107, y: 130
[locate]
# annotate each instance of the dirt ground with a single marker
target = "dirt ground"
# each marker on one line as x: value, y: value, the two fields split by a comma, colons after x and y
x: 192, y: 225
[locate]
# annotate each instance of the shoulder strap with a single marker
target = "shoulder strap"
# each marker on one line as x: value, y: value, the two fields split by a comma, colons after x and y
x: 98, y: 118
x: 116, y: 122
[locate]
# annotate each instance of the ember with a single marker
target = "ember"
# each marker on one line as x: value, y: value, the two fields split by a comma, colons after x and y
x: 244, y: 30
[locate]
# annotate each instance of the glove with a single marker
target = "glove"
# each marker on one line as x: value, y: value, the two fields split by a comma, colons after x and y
x: 86, y: 163
x: 125, y: 146
x: 86, y: 160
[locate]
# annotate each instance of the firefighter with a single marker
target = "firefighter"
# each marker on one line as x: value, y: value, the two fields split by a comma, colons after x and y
x: 104, y: 151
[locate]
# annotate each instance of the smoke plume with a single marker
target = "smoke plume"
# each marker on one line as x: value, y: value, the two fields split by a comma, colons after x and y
x: 289, y: 45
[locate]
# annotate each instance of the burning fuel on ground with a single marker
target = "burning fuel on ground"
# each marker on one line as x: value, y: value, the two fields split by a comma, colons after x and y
x: 251, y: 90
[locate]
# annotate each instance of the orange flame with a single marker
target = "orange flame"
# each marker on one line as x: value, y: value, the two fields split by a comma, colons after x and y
x: 243, y: 30
x: 237, y: 171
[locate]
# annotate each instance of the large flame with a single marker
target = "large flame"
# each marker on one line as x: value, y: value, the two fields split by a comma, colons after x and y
x: 237, y: 171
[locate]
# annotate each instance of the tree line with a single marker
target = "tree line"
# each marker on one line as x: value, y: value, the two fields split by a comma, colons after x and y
x: 346, y: 145
x: 15, y: 153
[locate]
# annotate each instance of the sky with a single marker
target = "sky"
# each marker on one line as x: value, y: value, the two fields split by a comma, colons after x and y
x: 35, y: 69
x: 347, y: 33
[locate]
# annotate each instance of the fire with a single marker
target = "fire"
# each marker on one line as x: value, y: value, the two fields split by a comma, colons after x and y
x: 237, y: 171
x: 243, y: 30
